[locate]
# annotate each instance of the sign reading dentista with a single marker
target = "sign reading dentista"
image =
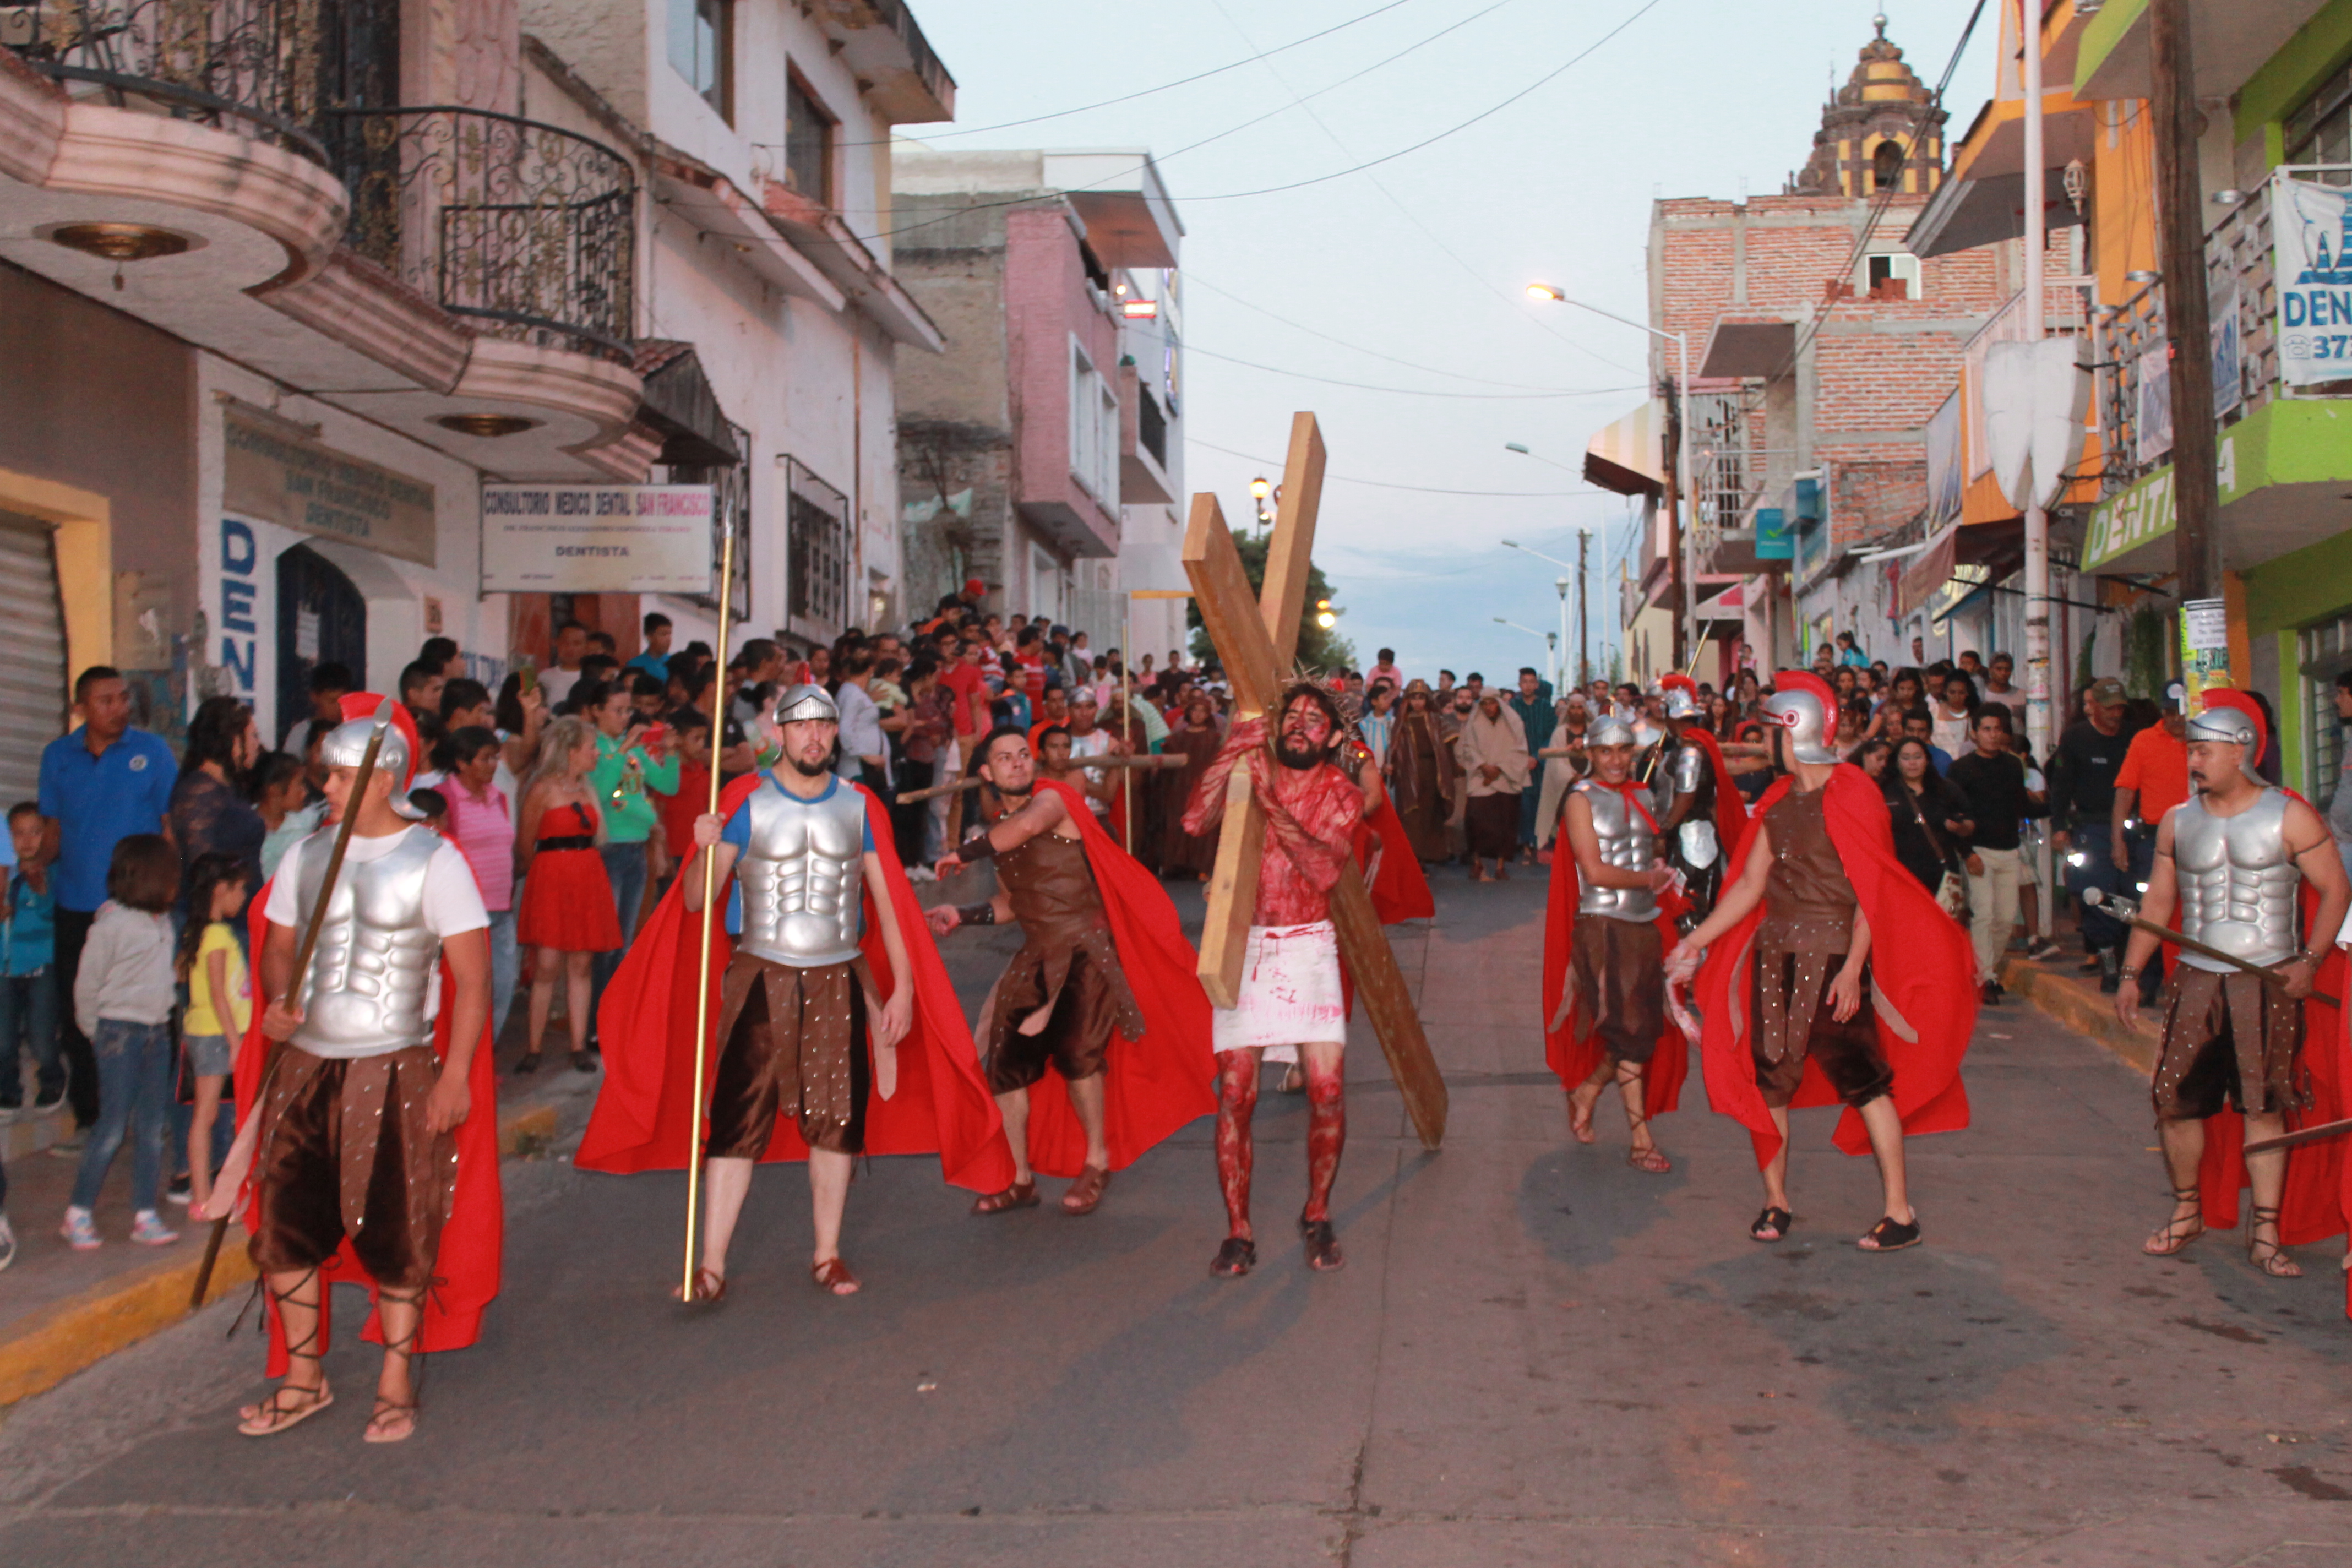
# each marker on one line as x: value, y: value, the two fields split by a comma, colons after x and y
x: 596, y: 539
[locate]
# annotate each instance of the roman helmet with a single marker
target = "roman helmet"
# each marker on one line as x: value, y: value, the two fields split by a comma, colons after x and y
x: 2231, y: 718
x: 1681, y: 693
x: 347, y: 743
x: 1806, y: 711
x: 1609, y: 729
x: 806, y: 702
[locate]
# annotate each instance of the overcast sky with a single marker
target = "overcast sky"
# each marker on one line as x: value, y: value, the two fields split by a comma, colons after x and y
x: 1425, y: 259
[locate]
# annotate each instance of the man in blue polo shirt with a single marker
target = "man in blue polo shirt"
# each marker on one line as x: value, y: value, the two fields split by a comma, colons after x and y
x: 100, y: 784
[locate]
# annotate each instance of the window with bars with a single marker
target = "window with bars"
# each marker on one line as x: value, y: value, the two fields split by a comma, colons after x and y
x: 2320, y: 130
x: 2323, y: 652
x: 816, y: 534
x: 808, y: 143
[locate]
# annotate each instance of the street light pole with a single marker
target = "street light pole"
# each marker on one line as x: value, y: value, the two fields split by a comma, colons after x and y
x: 1583, y: 610
x: 1685, y: 571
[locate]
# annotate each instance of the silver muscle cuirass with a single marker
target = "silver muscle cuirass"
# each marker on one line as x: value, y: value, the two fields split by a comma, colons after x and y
x: 371, y: 976
x: 2238, y: 882
x: 1626, y: 843
x: 1694, y: 839
x: 802, y: 877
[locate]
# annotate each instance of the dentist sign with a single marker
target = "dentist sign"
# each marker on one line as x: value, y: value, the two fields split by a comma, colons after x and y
x: 2312, y: 227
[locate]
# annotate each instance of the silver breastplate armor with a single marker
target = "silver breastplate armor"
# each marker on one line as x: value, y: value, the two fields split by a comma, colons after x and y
x: 802, y: 877
x: 1626, y: 843
x: 2238, y: 882
x: 371, y: 979
x: 1694, y: 839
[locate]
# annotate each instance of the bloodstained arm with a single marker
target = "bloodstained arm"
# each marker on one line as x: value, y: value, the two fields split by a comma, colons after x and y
x: 1208, y: 801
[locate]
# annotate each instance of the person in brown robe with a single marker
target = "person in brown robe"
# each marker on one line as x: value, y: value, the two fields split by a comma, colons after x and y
x: 1196, y: 740
x: 1421, y: 774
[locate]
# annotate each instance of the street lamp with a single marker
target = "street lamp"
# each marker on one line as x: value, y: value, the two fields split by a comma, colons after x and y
x: 1262, y: 493
x: 1688, y: 499
x: 1560, y: 676
x: 1551, y: 642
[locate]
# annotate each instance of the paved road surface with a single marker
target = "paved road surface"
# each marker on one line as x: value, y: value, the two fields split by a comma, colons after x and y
x: 1536, y: 1355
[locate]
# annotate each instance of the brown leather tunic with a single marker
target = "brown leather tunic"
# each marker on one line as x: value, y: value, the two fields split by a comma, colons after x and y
x: 1808, y: 925
x: 1068, y: 969
x: 1808, y: 902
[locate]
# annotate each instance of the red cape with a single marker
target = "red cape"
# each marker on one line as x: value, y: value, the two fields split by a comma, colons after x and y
x: 645, y: 1117
x: 473, y: 1237
x: 2318, y: 1203
x: 1400, y: 889
x: 1162, y: 1081
x: 1572, y: 1050
x: 1932, y: 987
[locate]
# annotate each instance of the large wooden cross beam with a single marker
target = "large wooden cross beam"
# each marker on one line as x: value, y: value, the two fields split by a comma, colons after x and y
x: 1256, y: 636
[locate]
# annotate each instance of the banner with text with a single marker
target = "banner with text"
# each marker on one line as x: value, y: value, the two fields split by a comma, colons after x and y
x: 2312, y: 227
x: 597, y: 539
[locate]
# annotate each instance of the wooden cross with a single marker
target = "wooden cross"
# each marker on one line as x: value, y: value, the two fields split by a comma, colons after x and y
x: 1256, y: 636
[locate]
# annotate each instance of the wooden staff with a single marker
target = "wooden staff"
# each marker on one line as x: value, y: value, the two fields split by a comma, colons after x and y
x: 240, y: 1157
x: 2123, y: 909
x: 710, y: 913
x: 1138, y: 760
x: 1655, y: 751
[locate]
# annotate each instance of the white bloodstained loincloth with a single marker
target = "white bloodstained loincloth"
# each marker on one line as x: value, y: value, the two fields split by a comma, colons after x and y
x: 1289, y: 992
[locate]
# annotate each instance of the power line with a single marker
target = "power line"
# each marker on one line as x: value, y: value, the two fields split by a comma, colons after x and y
x: 1190, y: 348
x: 1193, y: 280
x: 1385, y: 484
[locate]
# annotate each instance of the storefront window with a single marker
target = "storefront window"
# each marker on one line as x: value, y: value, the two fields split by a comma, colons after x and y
x: 2324, y: 652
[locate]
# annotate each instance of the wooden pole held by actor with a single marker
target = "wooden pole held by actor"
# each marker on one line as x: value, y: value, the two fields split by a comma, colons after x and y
x: 709, y: 914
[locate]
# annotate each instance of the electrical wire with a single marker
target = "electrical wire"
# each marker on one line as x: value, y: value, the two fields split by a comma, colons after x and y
x: 1193, y: 348
x: 1194, y: 280
x: 1388, y: 485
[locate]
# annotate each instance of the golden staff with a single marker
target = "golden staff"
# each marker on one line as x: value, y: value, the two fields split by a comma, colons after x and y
x: 709, y: 911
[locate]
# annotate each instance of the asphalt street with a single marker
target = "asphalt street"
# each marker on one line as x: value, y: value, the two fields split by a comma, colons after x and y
x: 1535, y: 1355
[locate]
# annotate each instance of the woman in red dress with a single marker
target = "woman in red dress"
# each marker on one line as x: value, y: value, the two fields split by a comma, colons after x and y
x: 567, y: 915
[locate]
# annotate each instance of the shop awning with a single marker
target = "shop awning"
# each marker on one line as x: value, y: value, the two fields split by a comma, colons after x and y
x: 680, y: 406
x: 1759, y: 350
x: 1625, y: 456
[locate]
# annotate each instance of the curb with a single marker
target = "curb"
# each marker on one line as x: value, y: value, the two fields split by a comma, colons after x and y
x: 83, y: 1330
x: 2080, y: 1009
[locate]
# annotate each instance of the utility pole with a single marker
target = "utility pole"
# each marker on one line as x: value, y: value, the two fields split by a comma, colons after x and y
x: 2180, y: 234
x: 1584, y: 657
x: 2037, y: 514
x: 1678, y: 585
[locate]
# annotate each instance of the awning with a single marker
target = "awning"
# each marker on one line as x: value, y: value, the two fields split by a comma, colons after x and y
x: 1755, y: 349
x: 680, y: 406
x: 1965, y: 214
x: 1627, y: 457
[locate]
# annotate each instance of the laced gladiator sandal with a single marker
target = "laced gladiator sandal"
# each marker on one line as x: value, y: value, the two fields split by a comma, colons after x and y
x: 1086, y: 1192
x: 394, y: 1420
x: 1580, y: 1127
x: 1021, y: 1194
x: 273, y: 1415
x: 1322, y: 1245
x: 2172, y: 1239
x: 2269, y: 1256
x: 1236, y: 1258
x: 710, y: 1289
x: 834, y: 1275
x: 1642, y: 1156
x: 1776, y: 1220
x: 1890, y: 1235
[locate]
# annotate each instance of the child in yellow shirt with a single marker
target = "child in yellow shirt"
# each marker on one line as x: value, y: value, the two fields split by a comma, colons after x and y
x: 220, y: 1000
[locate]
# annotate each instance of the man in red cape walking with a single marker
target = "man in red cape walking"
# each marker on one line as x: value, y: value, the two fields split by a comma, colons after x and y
x: 823, y: 933
x: 2249, y: 868
x: 1606, y: 931
x: 1701, y: 809
x: 373, y: 1152
x: 1793, y: 1013
x: 1103, y: 990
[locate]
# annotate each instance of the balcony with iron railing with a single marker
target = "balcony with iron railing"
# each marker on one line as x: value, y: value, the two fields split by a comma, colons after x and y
x: 1728, y: 484
x: 528, y: 231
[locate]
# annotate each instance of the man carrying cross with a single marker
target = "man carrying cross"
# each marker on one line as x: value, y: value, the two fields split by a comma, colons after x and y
x: 1289, y: 1005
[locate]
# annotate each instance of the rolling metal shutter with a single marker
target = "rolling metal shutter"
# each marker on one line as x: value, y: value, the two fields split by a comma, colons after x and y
x: 32, y: 656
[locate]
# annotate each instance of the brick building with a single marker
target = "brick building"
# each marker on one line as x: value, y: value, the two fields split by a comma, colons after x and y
x: 1821, y: 352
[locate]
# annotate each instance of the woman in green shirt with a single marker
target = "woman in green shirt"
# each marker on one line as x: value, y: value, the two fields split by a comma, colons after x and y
x: 635, y: 761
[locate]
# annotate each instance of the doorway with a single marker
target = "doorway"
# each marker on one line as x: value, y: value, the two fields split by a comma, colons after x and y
x: 321, y: 619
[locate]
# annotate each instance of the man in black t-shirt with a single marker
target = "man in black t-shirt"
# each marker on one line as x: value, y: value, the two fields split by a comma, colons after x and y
x: 1992, y: 778
x: 2083, y: 771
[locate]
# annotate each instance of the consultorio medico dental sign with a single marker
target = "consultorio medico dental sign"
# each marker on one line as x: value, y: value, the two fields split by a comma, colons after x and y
x: 597, y: 539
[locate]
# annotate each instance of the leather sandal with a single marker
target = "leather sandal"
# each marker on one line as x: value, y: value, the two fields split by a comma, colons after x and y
x: 1236, y: 1258
x: 1322, y: 1245
x: 2269, y: 1256
x: 1021, y: 1194
x: 270, y: 1417
x: 710, y: 1288
x: 2172, y: 1239
x: 1891, y: 1235
x: 386, y: 1412
x: 1086, y: 1192
x: 1646, y: 1158
x: 1777, y: 1220
x: 834, y: 1275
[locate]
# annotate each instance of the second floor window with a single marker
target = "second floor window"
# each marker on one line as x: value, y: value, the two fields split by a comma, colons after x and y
x: 2320, y: 130
x: 1094, y: 430
x: 701, y: 48
x: 808, y: 143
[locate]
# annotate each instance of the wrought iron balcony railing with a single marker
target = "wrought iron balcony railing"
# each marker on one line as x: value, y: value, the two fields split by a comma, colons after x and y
x: 526, y: 227
x: 261, y: 67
